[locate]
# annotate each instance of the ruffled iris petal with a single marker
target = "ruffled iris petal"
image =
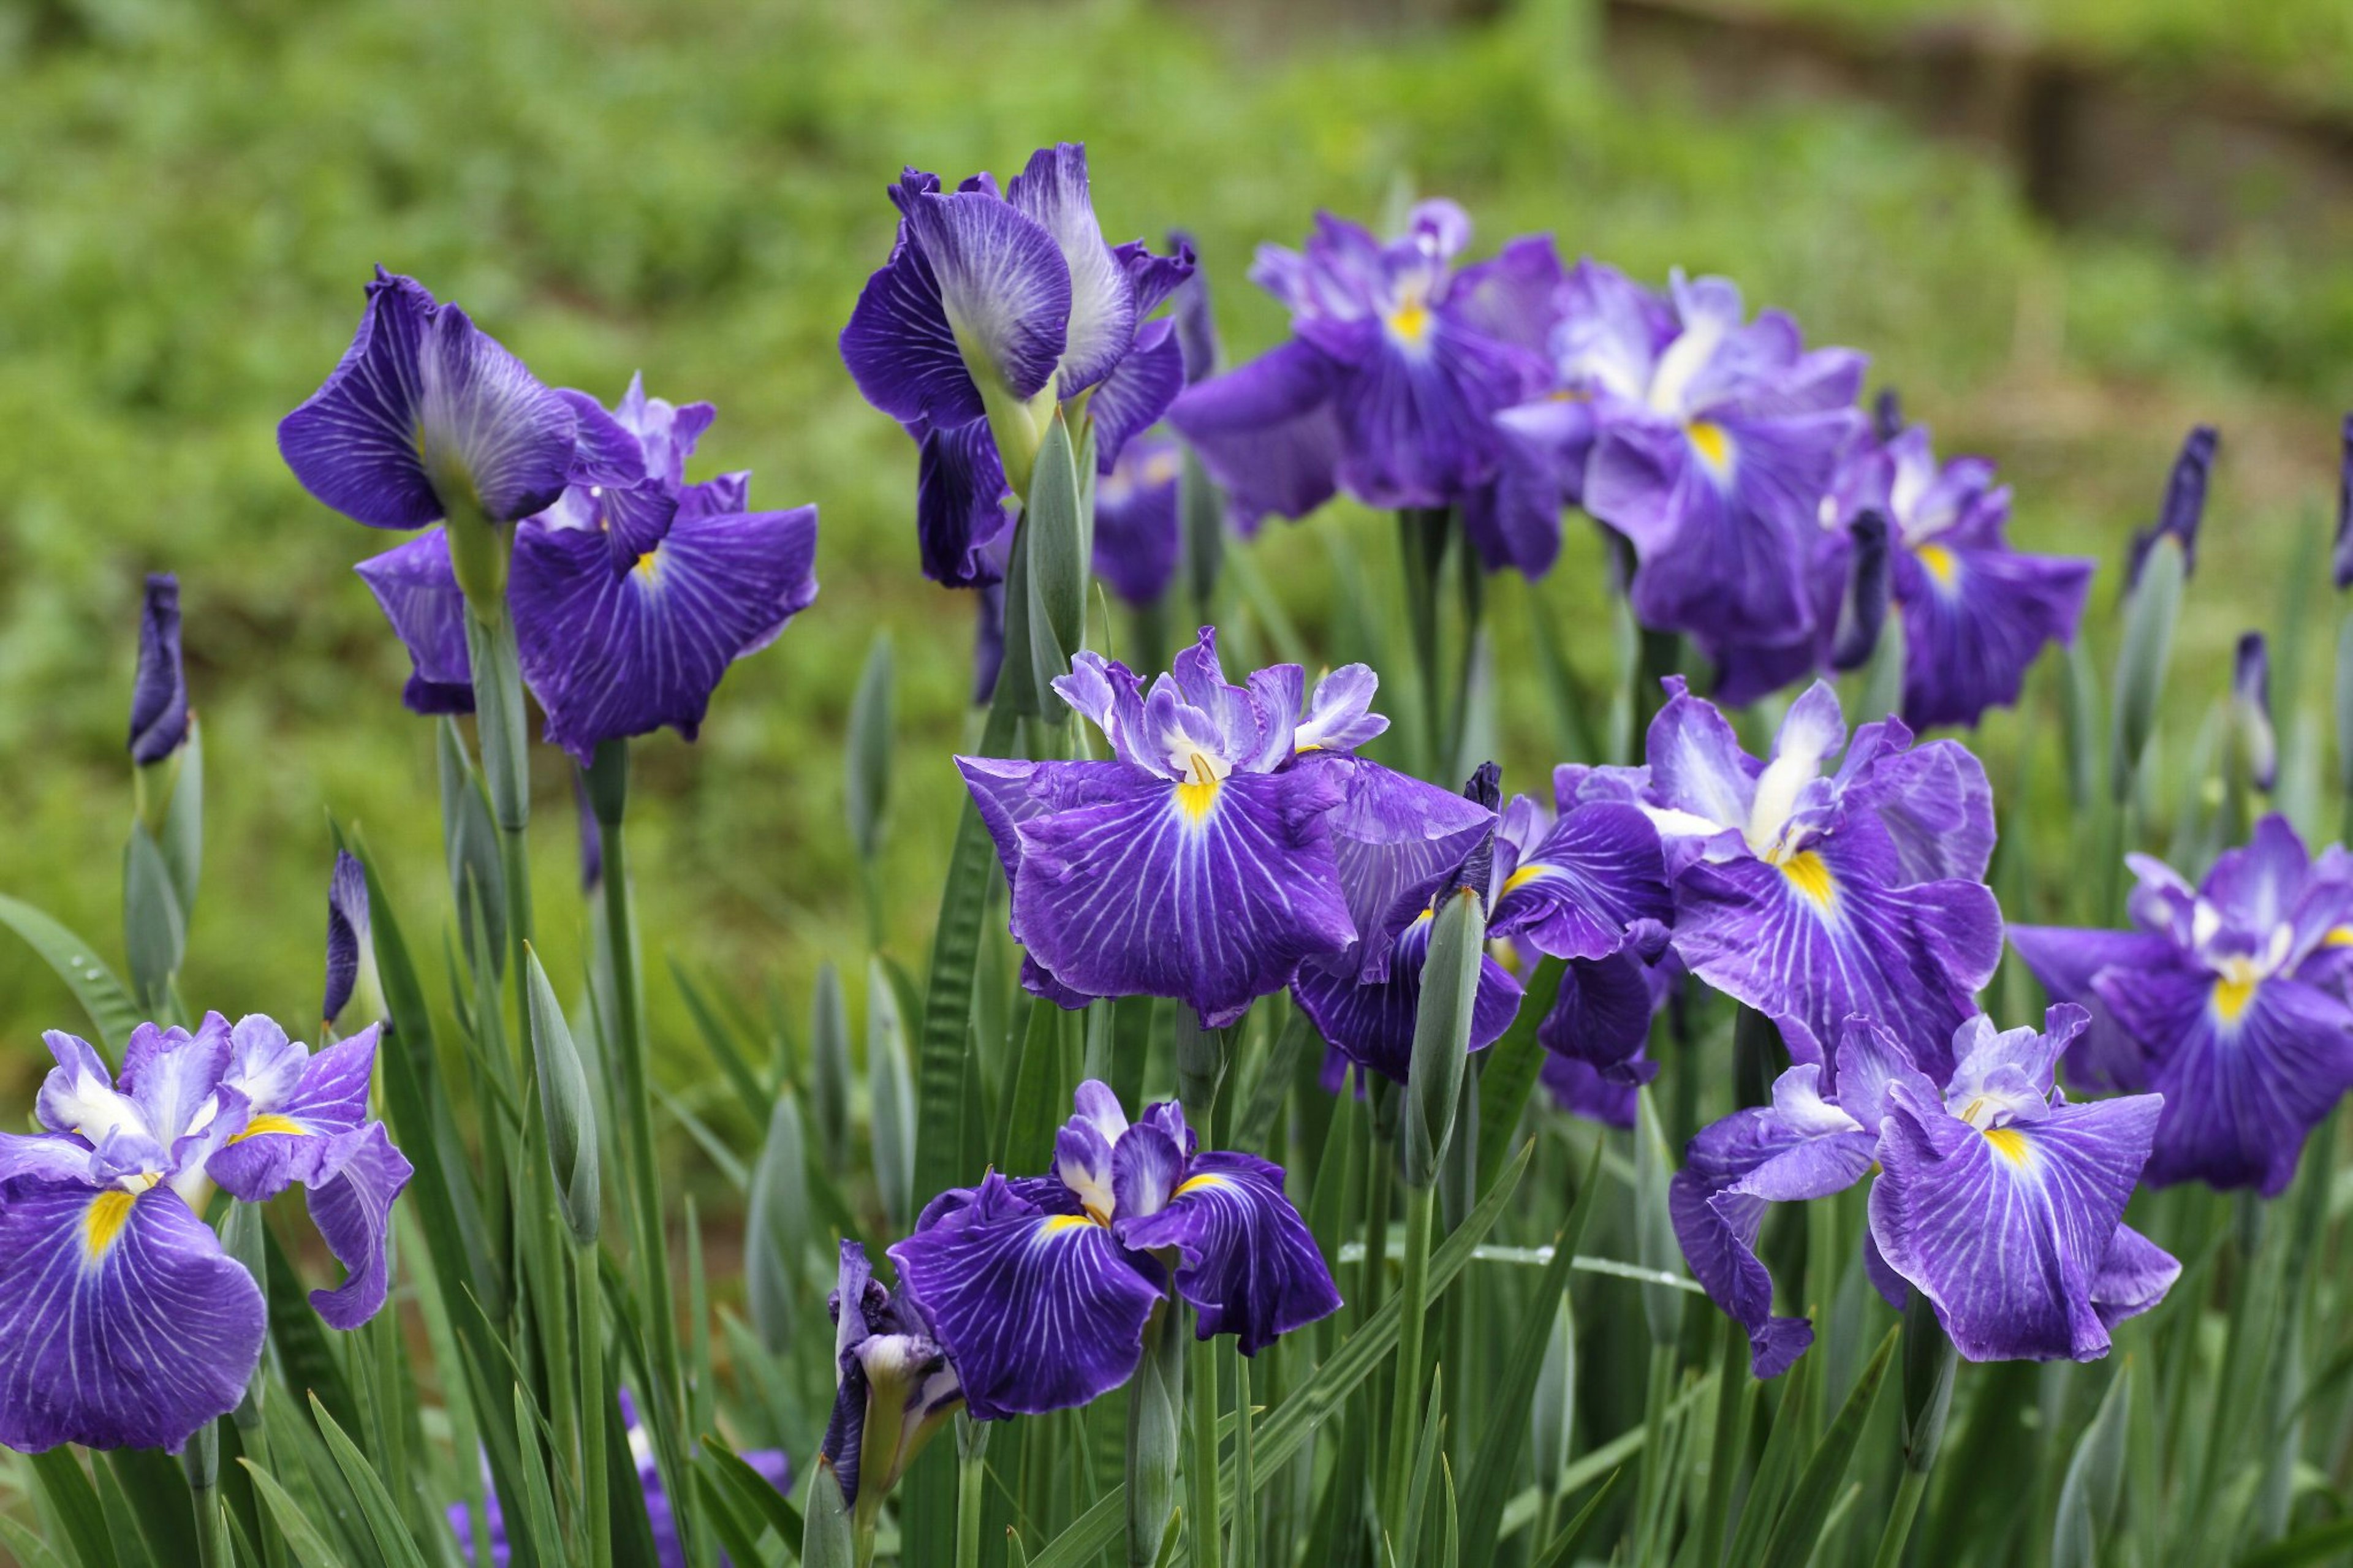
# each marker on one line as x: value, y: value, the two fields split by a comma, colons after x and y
x: 1101, y: 304
x: 417, y: 590
x: 1268, y: 432
x: 1975, y: 620
x: 351, y: 1202
x: 123, y: 1323
x: 1248, y: 1265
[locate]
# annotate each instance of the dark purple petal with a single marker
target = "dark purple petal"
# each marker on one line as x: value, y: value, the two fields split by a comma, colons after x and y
x: 1718, y: 1237
x: 123, y: 1324
x: 1136, y: 526
x: 1146, y: 1168
x: 417, y: 590
x: 1268, y: 432
x: 1248, y: 1265
x: 964, y: 508
x: 1039, y: 1311
x: 1371, y: 1022
x: 2184, y: 506
x: 1213, y: 894
x: 351, y: 1202
x: 2343, y: 568
x: 1974, y: 622
x: 1005, y: 289
x: 296, y: 1133
x: 1515, y: 298
x: 347, y: 932
x: 1052, y: 193
x: 1575, y: 891
x: 901, y: 350
x: 2007, y: 1230
x: 1601, y: 1019
x: 1393, y: 839
x: 616, y: 653
x: 2134, y: 1276
x: 1417, y: 414
x: 1577, y: 1088
x: 1136, y: 392
x: 2066, y: 962
x: 158, y: 691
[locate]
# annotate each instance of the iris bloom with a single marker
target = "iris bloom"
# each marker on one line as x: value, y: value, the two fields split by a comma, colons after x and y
x: 2227, y: 999
x: 1041, y: 1286
x: 1388, y: 386
x: 1997, y: 1199
x: 158, y: 691
x: 1137, y: 535
x: 1813, y: 895
x: 668, y: 1551
x: 632, y: 590
x: 123, y: 1323
x: 1709, y: 443
x: 1199, y: 861
x: 1976, y: 613
x: 993, y: 309
x: 895, y: 1385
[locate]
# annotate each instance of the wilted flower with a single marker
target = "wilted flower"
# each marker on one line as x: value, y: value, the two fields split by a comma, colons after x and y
x: 632, y: 592
x: 895, y: 1385
x: 122, y: 1323
x: 1813, y: 896
x: 1709, y: 445
x: 1997, y: 1200
x: 1976, y: 613
x: 159, y: 692
x: 425, y: 415
x: 2229, y: 1000
x: 1198, y: 862
x: 993, y: 309
x: 1389, y: 384
x: 1041, y: 1286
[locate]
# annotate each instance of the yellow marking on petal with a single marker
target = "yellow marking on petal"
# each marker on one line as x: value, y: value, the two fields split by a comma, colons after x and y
x: 648, y: 563
x: 1523, y: 876
x: 2009, y: 1143
x: 1199, y: 1184
x: 1057, y: 1223
x: 1409, y: 322
x: 1810, y: 877
x: 1939, y: 561
x: 2231, y: 995
x: 1198, y: 794
x: 2338, y: 936
x: 271, y: 1121
x: 109, y: 1212
x: 1712, y: 443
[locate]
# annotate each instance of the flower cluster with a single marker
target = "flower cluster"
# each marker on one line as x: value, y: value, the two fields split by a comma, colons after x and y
x: 1038, y: 1288
x: 631, y: 590
x: 2230, y: 1000
x: 122, y: 1323
x: 1995, y: 1199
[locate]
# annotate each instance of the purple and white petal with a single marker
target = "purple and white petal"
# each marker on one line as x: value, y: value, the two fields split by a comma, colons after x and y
x: 1247, y: 1264
x: 1052, y: 193
x: 351, y: 1202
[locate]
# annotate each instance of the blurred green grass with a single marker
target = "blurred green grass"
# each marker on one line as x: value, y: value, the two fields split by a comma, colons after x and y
x: 190, y: 198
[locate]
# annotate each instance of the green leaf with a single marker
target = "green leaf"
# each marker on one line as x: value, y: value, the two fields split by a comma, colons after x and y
x: 725, y: 1049
x: 469, y: 845
x: 829, y: 1071
x: 1562, y: 1549
x: 1316, y: 1402
x: 1274, y: 1078
x: 310, y: 1548
x: 1514, y: 1065
x: 825, y: 1521
x: 1059, y: 540
x: 29, y: 1550
x: 771, y: 1505
x: 2144, y: 656
x: 890, y: 1095
x: 1037, y: 1106
x: 73, y: 1503
x: 376, y: 1502
x: 776, y: 1226
x: 1441, y: 1033
x: 156, y: 1492
x: 1203, y: 513
x: 1766, y: 1487
x: 1655, y: 1247
x: 108, y: 1003
x: 131, y: 1549
x: 2321, y: 1543
x: 565, y: 1107
x: 1408, y: 1541
x: 866, y: 757
x: 1800, y: 1524
x: 538, y: 1511
x: 182, y: 838
x: 2095, y: 1483
x: 738, y: 1535
x: 1516, y: 1381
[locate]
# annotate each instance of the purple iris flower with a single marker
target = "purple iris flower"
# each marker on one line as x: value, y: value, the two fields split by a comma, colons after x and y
x: 1813, y: 896
x: 123, y: 1323
x: 668, y: 1551
x: 2229, y: 999
x: 1390, y: 382
x: 1579, y: 1088
x: 1136, y: 525
x: 1041, y: 1286
x: 1199, y: 861
x: 351, y: 957
x: 1709, y: 443
x: 895, y: 1385
x: 159, y: 692
x: 426, y: 415
x: 632, y: 591
x: 1976, y: 613
x: 992, y: 310
x: 1997, y: 1199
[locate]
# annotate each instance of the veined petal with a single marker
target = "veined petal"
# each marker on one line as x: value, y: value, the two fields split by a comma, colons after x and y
x: 490, y: 433
x: 293, y: 1133
x: 1212, y: 893
x: 357, y: 443
x: 1578, y: 1089
x: 417, y: 590
x: 1717, y: 1234
x: 1003, y: 284
x: 123, y: 1323
x: 1052, y: 193
x: 1975, y: 620
x: 2065, y: 961
x: 1576, y: 889
x: 2006, y: 1232
x: 1137, y: 390
x: 1601, y: 1019
x: 159, y: 690
x: 1391, y: 841
x: 963, y: 507
x: 1146, y: 1167
x: 351, y: 1202
x: 1039, y: 1311
x: 2134, y: 1276
x: 1137, y: 533
x: 616, y: 653
x: 173, y: 1077
x: 900, y: 348
x: 1268, y: 431
x: 1371, y: 1022
x: 1247, y: 1263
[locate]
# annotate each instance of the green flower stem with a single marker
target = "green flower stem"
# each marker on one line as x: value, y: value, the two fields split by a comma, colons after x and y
x: 201, y: 1462
x: 1654, y: 1456
x: 1201, y: 1466
x: 1244, y: 1550
x: 596, y: 1510
x: 1898, y: 1531
x: 1732, y: 1385
x: 1421, y: 547
x: 972, y: 1470
x: 1405, y: 1411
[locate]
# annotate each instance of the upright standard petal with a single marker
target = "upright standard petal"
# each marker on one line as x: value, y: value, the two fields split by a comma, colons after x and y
x: 417, y: 590
x: 2006, y: 1229
x: 1052, y: 193
x: 1040, y: 1311
x: 613, y: 652
x: 1003, y: 284
x: 123, y: 1323
x: 159, y: 692
x: 1247, y: 1263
